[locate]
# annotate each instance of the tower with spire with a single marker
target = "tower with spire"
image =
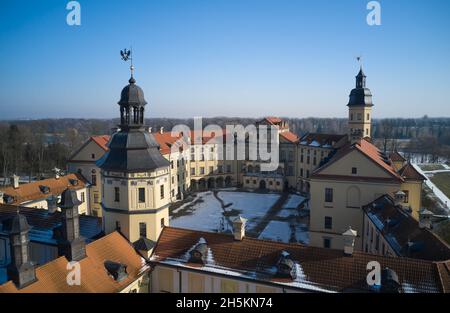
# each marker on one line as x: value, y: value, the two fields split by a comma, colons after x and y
x: 360, y: 109
x: 134, y: 173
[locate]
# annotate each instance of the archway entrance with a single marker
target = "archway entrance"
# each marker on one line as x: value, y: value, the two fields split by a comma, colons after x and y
x: 262, y: 184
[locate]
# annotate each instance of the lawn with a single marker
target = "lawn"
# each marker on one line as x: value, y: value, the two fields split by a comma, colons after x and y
x: 431, y: 167
x: 442, y: 181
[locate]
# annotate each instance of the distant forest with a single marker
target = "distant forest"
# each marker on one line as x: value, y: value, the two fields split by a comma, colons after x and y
x: 34, y: 147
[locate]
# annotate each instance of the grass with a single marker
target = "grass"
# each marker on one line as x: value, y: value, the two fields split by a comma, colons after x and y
x: 431, y: 167
x: 442, y: 181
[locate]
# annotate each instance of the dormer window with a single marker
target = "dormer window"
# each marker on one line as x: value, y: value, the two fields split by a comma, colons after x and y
x: 354, y: 170
x: 200, y: 253
x: 117, y: 270
x: 44, y: 189
x: 286, y: 266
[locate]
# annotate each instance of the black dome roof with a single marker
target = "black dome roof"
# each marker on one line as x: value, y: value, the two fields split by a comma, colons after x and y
x: 132, y: 151
x: 132, y: 95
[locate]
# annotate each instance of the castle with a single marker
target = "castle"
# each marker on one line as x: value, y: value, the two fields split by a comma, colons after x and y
x: 133, y: 176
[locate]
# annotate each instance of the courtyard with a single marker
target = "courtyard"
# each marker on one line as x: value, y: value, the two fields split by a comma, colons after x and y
x: 273, y: 216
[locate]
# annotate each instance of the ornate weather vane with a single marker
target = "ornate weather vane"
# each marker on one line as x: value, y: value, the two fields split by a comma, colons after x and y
x: 359, y: 59
x: 127, y: 55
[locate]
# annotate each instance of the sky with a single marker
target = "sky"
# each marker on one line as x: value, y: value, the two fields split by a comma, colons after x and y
x: 247, y: 58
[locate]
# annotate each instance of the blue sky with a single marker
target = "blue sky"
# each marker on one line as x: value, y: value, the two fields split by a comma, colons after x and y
x: 223, y: 57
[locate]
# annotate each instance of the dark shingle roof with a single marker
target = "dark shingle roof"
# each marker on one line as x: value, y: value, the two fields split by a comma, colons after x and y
x: 45, y: 225
x: 398, y: 228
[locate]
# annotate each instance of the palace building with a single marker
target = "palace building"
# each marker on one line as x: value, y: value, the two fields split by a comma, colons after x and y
x: 357, y: 193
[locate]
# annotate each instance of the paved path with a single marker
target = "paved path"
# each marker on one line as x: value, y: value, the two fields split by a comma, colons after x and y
x: 439, y: 194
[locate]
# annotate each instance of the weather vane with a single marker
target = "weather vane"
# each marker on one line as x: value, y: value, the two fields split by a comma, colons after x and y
x: 127, y: 55
x: 358, y: 58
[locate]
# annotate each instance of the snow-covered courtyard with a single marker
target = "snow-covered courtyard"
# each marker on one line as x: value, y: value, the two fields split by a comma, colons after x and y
x: 269, y: 215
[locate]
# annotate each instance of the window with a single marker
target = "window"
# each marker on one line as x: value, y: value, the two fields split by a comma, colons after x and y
x: 116, y: 194
x: 328, y: 222
x: 143, y: 229
x: 163, y: 222
x: 171, y: 164
x: 367, y: 132
x: 406, y: 196
x: 192, y: 170
x: 328, y: 195
x: 161, y: 190
x: 173, y: 179
x: 359, y: 116
x: 247, y: 181
x: 220, y: 169
x: 96, y: 198
x: 94, y: 180
x: 301, y: 172
x: 307, y: 173
x: 351, y: 116
x: 117, y: 225
x: 141, y: 195
x: 202, y: 170
x: 93, y: 156
x: 308, y: 159
x: 377, y: 242
x: 301, y: 158
x: 368, y: 116
x: 229, y: 168
x: 326, y: 242
x: 354, y: 170
x: 82, y: 197
x: 211, y: 169
x: 314, y: 161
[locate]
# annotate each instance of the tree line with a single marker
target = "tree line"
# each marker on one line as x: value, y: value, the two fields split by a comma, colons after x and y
x: 34, y: 147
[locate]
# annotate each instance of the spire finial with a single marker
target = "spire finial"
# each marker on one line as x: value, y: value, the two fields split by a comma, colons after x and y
x: 127, y: 55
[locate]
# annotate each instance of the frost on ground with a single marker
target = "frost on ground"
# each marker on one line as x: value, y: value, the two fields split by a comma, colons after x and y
x: 285, y: 231
x: 209, y: 212
x: 205, y: 212
x: 293, y: 201
x: 252, y: 206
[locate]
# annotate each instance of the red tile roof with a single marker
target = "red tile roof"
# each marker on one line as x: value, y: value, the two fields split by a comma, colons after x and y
x: 32, y: 191
x: 367, y: 149
x: 290, y: 136
x: 321, y: 268
x: 408, y: 172
x: 102, y: 141
x: 52, y: 276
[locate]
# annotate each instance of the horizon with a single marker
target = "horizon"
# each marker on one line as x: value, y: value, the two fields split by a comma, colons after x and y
x: 210, y: 58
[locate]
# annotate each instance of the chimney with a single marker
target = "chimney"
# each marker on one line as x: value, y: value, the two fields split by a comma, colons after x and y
x: 239, y: 228
x: 349, y: 240
x: 57, y: 172
x: 15, y: 181
x: 425, y: 219
x: 21, y: 270
x: 52, y: 206
x: 161, y: 130
x: 71, y: 244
